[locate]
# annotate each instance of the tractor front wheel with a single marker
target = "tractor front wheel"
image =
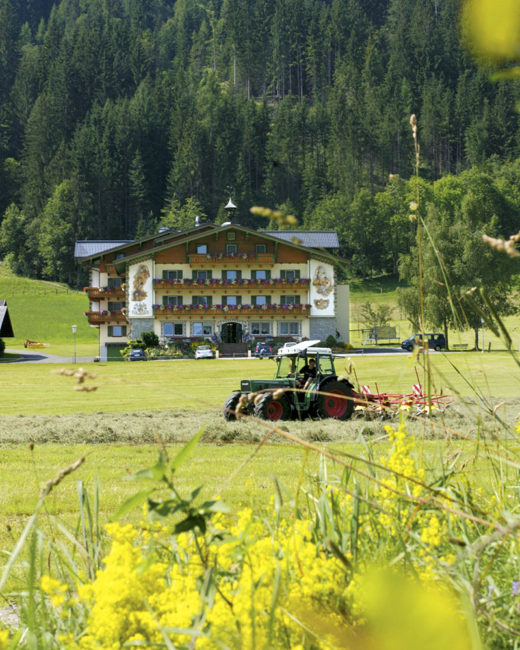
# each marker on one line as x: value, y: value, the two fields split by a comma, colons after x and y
x: 338, y: 403
x: 268, y: 408
x: 230, y: 406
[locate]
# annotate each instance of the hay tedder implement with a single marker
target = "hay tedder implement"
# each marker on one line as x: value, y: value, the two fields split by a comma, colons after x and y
x: 371, y: 405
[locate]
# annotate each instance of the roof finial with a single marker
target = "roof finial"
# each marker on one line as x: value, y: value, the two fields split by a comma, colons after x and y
x: 230, y: 210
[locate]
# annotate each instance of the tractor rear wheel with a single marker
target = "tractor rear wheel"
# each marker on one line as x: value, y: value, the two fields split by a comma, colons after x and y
x: 230, y: 406
x: 338, y: 403
x: 273, y: 409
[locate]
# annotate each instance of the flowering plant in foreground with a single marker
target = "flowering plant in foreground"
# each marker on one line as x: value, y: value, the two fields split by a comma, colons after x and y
x: 362, y: 564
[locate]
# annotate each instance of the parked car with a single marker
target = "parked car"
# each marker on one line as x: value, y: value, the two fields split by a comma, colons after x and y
x: 435, y: 341
x: 263, y: 349
x: 204, y: 352
x: 137, y: 355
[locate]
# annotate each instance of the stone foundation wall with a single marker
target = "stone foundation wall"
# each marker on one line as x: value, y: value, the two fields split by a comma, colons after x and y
x: 322, y: 327
x: 138, y: 326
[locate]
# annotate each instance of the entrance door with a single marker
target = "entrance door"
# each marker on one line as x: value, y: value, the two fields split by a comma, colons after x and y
x: 231, y: 333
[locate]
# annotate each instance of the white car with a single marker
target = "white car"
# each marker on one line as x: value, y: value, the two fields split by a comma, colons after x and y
x: 204, y: 352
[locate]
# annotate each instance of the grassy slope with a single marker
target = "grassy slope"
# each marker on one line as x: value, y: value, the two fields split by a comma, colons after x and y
x: 385, y: 290
x: 45, y: 311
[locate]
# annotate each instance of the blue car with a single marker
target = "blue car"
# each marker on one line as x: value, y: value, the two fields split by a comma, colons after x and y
x: 434, y: 341
x: 137, y: 355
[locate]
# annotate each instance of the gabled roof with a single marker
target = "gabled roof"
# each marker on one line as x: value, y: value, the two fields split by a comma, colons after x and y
x: 308, y: 238
x: 93, y: 247
x: 6, y: 329
x: 311, y: 241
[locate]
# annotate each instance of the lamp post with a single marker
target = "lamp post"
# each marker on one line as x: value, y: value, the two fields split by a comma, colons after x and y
x: 74, y: 329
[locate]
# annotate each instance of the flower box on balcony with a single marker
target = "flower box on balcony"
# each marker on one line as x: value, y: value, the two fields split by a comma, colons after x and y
x: 100, y: 293
x: 218, y: 283
x: 194, y: 310
x: 106, y: 316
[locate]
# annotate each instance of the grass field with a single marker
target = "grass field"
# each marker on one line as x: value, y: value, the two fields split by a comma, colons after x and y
x: 193, y: 385
x: 469, y: 452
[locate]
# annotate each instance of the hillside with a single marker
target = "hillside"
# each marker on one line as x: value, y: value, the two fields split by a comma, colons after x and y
x: 120, y: 116
x: 45, y: 311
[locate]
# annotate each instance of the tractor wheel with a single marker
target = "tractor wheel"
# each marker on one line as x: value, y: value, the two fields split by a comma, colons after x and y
x: 268, y: 408
x: 230, y: 406
x: 338, y: 404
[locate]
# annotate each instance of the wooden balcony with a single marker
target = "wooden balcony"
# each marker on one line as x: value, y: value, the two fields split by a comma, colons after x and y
x: 258, y: 260
x: 98, y: 317
x: 218, y: 285
x: 243, y: 311
x: 97, y: 293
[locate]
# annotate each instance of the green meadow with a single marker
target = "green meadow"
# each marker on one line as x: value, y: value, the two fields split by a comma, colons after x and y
x: 125, y: 414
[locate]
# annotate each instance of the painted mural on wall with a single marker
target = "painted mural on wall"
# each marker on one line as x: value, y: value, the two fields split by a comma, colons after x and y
x: 322, y: 289
x: 140, y: 298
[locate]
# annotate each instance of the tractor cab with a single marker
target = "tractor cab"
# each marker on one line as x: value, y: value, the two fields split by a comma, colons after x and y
x: 305, y: 385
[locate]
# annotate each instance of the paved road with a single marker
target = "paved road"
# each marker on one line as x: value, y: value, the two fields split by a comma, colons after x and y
x: 34, y: 356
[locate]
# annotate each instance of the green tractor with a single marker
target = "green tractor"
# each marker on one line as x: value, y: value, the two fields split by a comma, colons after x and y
x: 305, y: 385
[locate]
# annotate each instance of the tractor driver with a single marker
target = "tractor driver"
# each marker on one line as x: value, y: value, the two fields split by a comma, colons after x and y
x: 309, y: 373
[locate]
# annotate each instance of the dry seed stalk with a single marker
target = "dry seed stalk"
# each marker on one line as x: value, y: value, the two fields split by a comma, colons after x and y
x: 508, y: 247
x: 53, y: 482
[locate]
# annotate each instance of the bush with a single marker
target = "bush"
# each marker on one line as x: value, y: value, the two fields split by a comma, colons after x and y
x: 2, y: 347
x: 150, y: 339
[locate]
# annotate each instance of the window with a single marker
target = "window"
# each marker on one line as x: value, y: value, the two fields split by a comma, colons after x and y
x: 260, y: 300
x: 326, y: 367
x: 260, y: 328
x: 231, y: 249
x: 117, y: 330
x: 232, y: 301
x: 231, y: 235
x: 201, y: 275
x: 172, y: 300
x: 201, y: 300
x: 290, y: 275
x: 115, y: 306
x: 201, y: 329
x: 260, y: 275
x: 231, y: 275
x: 202, y: 249
x: 289, y: 300
x: 260, y: 248
x: 289, y: 328
x: 115, y: 283
x: 173, y: 329
x: 172, y: 275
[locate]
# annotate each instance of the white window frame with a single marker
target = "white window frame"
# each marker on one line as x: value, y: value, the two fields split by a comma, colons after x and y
x: 294, y: 325
x: 206, y: 328
x: 260, y: 325
x: 173, y: 324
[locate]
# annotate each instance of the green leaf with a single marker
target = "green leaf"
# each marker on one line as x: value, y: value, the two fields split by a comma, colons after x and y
x: 191, y: 522
x: 214, y: 506
x: 186, y: 450
x: 138, y: 499
x: 155, y: 473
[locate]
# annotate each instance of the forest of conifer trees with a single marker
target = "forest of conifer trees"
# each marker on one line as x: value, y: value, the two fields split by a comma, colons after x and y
x: 120, y: 115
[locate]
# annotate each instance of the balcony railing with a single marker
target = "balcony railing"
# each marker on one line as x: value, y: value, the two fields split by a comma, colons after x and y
x: 96, y: 317
x: 221, y: 259
x: 219, y: 284
x: 105, y: 293
x: 231, y: 310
